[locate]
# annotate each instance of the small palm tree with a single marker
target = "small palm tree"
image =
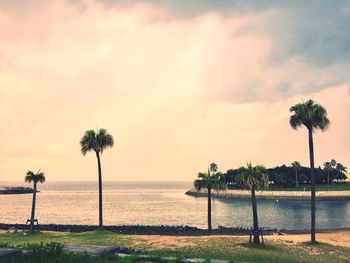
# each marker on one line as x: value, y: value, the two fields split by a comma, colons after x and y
x: 333, y: 163
x: 313, y: 116
x: 253, y: 178
x: 213, y: 167
x: 296, y: 167
x: 97, y: 141
x: 212, y: 180
x: 36, y: 178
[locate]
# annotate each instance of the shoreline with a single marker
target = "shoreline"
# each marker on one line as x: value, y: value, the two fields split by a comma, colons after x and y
x: 275, y: 195
x: 163, y: 230
x: 14, y: 190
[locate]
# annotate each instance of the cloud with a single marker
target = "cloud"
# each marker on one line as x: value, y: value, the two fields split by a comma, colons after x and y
x: 176, y: 90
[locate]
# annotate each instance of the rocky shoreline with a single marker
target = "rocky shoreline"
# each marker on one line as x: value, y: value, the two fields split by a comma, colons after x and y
x: 158, y: 230
x: 15, y: 190
x: 274, y: 195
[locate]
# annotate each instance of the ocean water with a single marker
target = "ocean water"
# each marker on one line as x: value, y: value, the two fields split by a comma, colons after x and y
x: 160, y: 203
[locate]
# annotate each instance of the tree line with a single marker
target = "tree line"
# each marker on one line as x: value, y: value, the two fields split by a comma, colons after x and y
x: 295, y: 174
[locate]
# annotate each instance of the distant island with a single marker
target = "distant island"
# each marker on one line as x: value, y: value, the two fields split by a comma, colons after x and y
x: 15, y: 190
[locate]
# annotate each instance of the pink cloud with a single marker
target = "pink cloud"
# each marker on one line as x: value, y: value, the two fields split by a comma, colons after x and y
x: 170, y: 90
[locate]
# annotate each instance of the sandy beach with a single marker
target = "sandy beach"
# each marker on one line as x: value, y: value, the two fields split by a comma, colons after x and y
x: 336, y: 238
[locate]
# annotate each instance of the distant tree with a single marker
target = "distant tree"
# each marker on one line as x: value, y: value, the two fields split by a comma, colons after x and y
x: 341, y: 171
x: 97, y: 141
x: 302, y: 178
x: 34, y: 178
x: 327, y: 167
x: 213, y: 167
x: 313, y: 116
x: 253, y: 178
x: 296, y: 167
x: 333, y: 163
x: 212, y: 180
x: 230, y: 176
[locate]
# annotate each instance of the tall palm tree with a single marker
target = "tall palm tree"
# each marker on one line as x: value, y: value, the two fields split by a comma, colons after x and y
x: 296, y: 167
x: 36, y: 178
x: 253, y: 178
x: 313, y: 116
x: 212, y: 180
x: 97, y: 141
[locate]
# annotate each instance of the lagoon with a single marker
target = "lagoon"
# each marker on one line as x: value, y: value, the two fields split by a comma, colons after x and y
x: 161, y: 203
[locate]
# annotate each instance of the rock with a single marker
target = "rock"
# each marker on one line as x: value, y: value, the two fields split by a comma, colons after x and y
x: 193, y: 260
x: 122, y: 255
x: 9, y: 254
x: 219, y: 261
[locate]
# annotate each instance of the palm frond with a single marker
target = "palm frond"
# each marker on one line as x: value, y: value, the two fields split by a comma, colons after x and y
x: 96, y: 141
x: 88, y: 142
x: 252, y: 177
x: 38, y: 177
x: 310, y: 114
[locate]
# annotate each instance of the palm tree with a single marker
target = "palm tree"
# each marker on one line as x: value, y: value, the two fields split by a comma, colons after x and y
x: 213, y: 167
x: 36, y: 178
x: 253, y: 178
x: 341, y: 170
x: 313, y: 116
x: 296, y: 167
x: 97, y: 141
x: 212, y: 180
x: 333, y: 163
x: 327, y: 166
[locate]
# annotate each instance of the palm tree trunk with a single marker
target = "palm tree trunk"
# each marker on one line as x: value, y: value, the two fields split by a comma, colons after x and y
x: 209, y: 210
x: 313, y: 192
x: 99, y: 189
x: 328, y: 178
x: 32, y: 217
x: 256, y: 239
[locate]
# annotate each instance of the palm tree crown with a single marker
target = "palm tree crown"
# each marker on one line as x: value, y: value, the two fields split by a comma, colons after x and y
x: 215, y: 181
x: 309, y: 114
x: 296, y: 165
x: 38, y: 177
x: 252, y: 177
x: 96, y: 141
x: 213, y: 167
x: 327, y: 166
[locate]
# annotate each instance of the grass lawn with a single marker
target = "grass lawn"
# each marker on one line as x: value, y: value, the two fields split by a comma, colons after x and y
x: 319, y: 187
x: 227, y: 247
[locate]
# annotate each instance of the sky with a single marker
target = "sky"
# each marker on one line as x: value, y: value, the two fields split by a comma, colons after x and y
x: 179, y: 84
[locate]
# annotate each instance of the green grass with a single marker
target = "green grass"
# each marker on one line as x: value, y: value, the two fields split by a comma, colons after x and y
x: 231, y: 248
x: 319, y: 187
x: 97, y: 237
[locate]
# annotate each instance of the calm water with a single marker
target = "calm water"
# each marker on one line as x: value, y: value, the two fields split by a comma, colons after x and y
x: 161, y: 204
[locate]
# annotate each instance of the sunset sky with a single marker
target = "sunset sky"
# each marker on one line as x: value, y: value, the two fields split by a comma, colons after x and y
x: 179, y: 84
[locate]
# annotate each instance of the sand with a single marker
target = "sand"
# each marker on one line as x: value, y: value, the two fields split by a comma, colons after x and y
x: 337, y: 238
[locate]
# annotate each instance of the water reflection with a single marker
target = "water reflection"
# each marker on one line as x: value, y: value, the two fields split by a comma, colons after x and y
x: 163, y: 204
x: 284, y: 214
